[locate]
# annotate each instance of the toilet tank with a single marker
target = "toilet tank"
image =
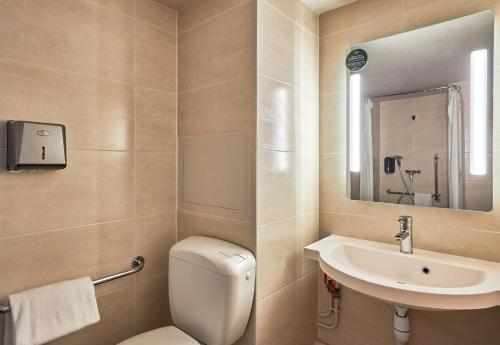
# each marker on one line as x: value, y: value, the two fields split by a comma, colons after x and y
x: 211, y: 288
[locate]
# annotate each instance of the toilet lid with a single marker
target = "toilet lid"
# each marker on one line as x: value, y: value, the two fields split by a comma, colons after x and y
x: 161, y: 336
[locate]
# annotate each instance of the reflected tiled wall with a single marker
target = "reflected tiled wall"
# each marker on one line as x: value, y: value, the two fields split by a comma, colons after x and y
x: 106, y: 70
x: 287, y: 171
x: 416, y: 140
x: 457, y: 232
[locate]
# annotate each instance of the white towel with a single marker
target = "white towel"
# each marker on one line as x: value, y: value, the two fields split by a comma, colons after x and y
x: 46, y: 313
x: 423, y: 199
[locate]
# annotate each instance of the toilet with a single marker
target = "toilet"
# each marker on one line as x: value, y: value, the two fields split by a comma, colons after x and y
x: 211, y: 288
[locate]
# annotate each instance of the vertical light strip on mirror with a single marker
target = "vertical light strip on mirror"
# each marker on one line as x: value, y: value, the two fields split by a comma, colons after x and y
x: 479, y: 112
x: 354, y: 122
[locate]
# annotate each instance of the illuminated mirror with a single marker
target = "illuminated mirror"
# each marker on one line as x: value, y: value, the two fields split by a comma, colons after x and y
x: 420, y: 116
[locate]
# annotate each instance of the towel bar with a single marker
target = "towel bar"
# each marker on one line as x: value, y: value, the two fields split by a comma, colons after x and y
x: 137, y: 265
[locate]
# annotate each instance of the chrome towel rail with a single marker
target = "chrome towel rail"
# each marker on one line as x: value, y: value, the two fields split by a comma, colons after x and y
x: 137, y: 265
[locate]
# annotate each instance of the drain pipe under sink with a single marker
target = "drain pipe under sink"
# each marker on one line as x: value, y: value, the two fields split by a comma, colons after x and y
x: 401, y: 326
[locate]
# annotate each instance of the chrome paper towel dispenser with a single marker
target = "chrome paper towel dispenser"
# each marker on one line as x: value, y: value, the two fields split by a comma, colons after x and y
x: 35, y: 145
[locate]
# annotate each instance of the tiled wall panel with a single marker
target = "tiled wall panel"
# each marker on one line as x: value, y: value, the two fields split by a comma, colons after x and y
x: 106, y: 69
x: 287, y: 171
x: 217, y: 101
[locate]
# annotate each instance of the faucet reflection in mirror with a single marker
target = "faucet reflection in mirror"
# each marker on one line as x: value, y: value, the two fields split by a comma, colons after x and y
x: 431, y: 116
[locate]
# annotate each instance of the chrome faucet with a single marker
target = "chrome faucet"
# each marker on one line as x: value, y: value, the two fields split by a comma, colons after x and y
x: 404, y: 237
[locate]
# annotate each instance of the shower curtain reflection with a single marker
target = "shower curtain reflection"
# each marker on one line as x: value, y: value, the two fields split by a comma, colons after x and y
x: 366, y: 151
x: 455, y: 149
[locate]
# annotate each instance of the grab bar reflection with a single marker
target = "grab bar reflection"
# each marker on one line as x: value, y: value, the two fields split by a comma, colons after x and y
x: 389, y: 191
x: 436, y: 195
x: 137, y: 265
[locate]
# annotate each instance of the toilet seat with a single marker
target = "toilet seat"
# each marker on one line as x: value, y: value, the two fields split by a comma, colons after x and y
x: 161, y: 336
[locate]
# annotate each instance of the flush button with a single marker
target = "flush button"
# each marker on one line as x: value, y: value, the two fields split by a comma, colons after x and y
x: 43, y: 132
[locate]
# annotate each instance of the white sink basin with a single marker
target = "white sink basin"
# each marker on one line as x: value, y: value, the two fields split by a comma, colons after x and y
x: 424, y: 279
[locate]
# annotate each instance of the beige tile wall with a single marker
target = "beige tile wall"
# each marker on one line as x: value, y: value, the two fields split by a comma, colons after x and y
x: 287, y: 171
x: 217, y: 96
x: 217, y: 93
x: 107, y: 70
x: 464, y: 233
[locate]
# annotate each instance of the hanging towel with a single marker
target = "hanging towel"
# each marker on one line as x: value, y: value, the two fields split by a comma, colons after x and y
x: 423, y: 199
x: 46, y: 313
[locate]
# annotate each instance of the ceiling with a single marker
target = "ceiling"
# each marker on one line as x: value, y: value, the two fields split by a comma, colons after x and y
x: 425, y: 58
x: 175, y: 4
x: 318, y: 6
x: 321, y: 6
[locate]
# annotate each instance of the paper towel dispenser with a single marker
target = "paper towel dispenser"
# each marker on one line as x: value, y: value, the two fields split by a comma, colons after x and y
x: 35, y: 145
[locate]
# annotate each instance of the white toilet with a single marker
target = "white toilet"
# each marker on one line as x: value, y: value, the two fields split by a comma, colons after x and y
x: 211, y: 286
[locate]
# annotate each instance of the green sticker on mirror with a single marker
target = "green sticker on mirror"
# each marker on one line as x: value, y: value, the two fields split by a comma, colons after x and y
x: 356, y: 60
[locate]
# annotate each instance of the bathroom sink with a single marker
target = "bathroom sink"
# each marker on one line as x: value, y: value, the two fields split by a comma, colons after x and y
x: 424, y: 279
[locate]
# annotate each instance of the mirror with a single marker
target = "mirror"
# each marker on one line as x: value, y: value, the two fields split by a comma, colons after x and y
x: 420, y: 116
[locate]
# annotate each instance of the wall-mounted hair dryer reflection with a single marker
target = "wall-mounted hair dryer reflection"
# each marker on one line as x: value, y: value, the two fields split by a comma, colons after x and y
x: 390, y: 164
